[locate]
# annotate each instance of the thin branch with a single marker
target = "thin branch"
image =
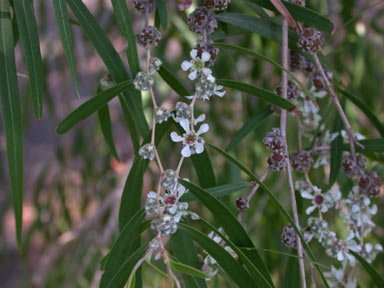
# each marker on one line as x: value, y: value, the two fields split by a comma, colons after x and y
x: 283, y: 128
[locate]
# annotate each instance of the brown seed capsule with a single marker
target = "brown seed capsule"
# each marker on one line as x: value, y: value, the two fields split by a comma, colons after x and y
x: 242, y: 203
x: 274, y: 140
x: 351, y: 168
x: 202, y: 20
x: 319, y: 82
x: 143, y: 5
x: 288, y: 236
x: 292, y: 91
x: 311, y: 40
x: 217, y: 5
x: 278, y: 160
x: 149, y: 36
x: 202, y: 47
x: 370, y: 184
x: 301, y: 160
x: 296, y: 61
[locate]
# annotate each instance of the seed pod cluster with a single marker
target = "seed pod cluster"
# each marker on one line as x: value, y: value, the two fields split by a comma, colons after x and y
x: 370, y: 184
x: 274, y: 141
x: 202, y: 21
x: 213, y: 51
x: 311, y: 40
x: 149, y: 36
x: 217, y: 5
x: 301, y: 161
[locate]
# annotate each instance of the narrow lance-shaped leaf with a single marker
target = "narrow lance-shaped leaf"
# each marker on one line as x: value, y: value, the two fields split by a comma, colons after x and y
x: 258, y: 92
x: 30, y: 44
x: 106, y: 128
x: 218, y: 191
x: 276, y: 200
x: 125, y: 26
x: 11, y: 110
x: 122, y: 248
x: 91, y: 106
x: 111, y: 60
x: 370, y: 145
x: 336, y: 151
x: 366, y: 110
x: 185, y: 252
x: 163, y: 13
x: 173, y: 82
x: 225, y: 260
x: 121, y: 276
x: 254, y: 122
x: 230, y: 224
x: 375, y: 275
x: 65, y: 33
x: 187, y: 269
x: 245, y: 255
x: 302, y: 14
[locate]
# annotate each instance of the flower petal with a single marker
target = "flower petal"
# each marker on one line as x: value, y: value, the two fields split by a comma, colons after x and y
x: 185, y: 124
x: 199, y: 119
x: 310, y: 210
x: 205, y: 56
x: 207, y: 71
x: 305, y: 194
x: 199, y: 147
x: 176, y: 137
x: 193, y: 54
x: 186, y: 65
x: 192, y: 75
x: 203, y: 128
x: 186, y: 151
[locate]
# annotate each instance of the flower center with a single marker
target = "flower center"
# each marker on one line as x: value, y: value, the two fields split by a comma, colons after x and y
x: 190, y: 138
x: 319, y: 199
x: 170, y: 200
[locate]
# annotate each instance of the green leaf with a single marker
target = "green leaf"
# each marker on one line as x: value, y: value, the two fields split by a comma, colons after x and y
x: 255, y: 54
x: 122, y: 248
x: 131, y: 198
x: 185, y: 251
x: 254, y: 122
x: 187, y: 269
x: 11, y: 110
x: 336, y: 151
x: 163, y: 13
x: 120, y: 278
x: 370, y: 145
x: 29, y: 38
x: 173, y: 82
x: 292, y: 272
x: 218, y: 191
x: 106, y: 128
x: 301, y: 14
x: 365, y: 109
x: 246, y: 256
x: 91, y: 106
x: 233, y: 268
x: 277, y: 202
x: 125, y: 26
x: 228, y: 221
x: 204, y: 169
x: 258, y: 92
x: 375, y: 275
x: 264, y: 27
x: 65, y: 33
x: 111, y: 60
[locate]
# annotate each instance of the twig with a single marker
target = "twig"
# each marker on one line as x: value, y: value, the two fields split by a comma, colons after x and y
x: 283, y: 128
x: 254, y: 190
x: 332, y: 93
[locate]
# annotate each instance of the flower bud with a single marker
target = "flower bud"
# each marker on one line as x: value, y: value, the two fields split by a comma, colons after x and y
x: 311, y: 40
x: 202, y: 20
x: 149, y: 36
x: 301, y: 160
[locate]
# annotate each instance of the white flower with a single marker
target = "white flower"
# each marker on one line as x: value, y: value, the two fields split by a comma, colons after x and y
x: 193, y: 143
x: 206, y: 88
x: 348, y: 244
x: 370, y: 252
x: 338, y: 278
x: 196, y: 65
x: 323, y: 201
